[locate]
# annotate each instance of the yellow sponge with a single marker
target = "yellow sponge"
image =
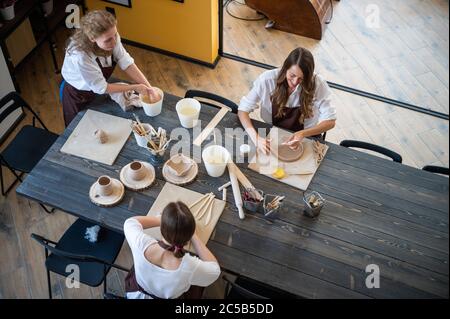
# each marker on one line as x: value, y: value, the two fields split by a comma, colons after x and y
x: 279, y: 173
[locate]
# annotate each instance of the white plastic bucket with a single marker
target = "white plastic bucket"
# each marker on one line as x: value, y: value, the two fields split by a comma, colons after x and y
x: 188, y: 111
x: 154, y: 109
x: 142, y: 140
x: 215, y: 158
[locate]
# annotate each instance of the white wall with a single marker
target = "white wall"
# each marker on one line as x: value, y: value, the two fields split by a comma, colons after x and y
x: 6, y: 86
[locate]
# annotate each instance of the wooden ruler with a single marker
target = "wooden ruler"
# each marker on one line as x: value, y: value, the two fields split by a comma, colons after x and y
x: 211, y: 125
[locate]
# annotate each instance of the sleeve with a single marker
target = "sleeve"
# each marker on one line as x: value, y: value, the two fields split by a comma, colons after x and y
x: 121, y: 56
x: 134, y: 233
x: 323, y: 101
x: 205, y: 273
x: 250, y: 102
x: 91, y: 73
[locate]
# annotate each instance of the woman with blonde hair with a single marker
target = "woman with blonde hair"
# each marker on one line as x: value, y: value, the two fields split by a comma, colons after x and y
x: 162, y: 269
x: 293, y: 97
x: 91, y: 56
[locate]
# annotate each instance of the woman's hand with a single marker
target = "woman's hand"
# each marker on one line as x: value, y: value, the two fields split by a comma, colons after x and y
x: 143, y: 89
x: 263, y: 144
x: 295, y: 140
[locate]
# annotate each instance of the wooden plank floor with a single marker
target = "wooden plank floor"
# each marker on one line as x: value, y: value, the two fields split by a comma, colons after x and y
x: 369, y: 61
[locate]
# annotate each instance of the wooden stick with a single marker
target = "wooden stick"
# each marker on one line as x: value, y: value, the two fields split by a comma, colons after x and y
x: 211, y: 125
x: 208, y: 217
x: 199, y: 200
x: 224, y: 186
x: 224, y: 194
x: 204, y: 208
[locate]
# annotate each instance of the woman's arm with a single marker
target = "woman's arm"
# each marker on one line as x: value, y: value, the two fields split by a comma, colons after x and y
x: 137, y: 76
x: 118, y: 88
x: 297, y: 137
x: 148, y: 221
x: 202, y: 251
x: 262, y: 143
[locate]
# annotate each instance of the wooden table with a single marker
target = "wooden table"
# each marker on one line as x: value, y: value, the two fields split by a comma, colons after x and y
x: 377, y: 212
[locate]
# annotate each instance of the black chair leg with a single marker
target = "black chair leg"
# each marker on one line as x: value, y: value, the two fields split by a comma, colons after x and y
x: 18, y: 178
x: 49, y: 284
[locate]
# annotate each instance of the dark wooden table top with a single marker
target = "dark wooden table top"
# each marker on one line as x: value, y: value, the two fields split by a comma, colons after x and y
x: 377, y: 212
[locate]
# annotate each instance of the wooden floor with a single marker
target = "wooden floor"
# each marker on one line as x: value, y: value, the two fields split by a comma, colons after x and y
x: 349, y: 54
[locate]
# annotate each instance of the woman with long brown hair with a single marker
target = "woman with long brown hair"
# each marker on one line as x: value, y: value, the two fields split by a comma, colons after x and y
x: 91, y: 56
x: 162, y: 269
x: 293, y: 97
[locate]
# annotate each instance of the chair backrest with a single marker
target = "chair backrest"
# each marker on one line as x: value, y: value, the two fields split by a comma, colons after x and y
x: 436, y: 169
x: 213, y: 97
x: 70, y: 256
x: 234, y: 290
x: 372, y: 147
x: 14, y: 101
x: 245, y: 288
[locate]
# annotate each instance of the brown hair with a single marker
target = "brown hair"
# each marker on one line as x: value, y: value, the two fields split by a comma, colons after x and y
x: 304, y: 59
x: 92, y: 25
x: 177, y: 226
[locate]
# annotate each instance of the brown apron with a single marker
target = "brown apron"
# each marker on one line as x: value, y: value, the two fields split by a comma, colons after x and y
x: 75, y: 100
x: 290, y: 120
x: 131, y: 284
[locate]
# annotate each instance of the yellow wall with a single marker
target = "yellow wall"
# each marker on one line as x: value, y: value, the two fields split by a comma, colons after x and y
x: 189, y: 29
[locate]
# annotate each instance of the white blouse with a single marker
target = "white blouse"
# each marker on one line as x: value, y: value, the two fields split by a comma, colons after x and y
x: 159, y: 281
x: 264, y: 86
x: 81, y: 70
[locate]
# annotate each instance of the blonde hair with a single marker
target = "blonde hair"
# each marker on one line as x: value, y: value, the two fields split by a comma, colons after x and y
x: 92, y: 25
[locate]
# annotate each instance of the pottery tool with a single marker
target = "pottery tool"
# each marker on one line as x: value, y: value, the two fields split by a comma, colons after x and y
x: 211, y: 126
x: 224, y: 186
x: 319, y: 151
x: 224, y: 194
x: 275, y: 203
x: 236, y: 191
x: 208, y: 217
x: 243, y: 179
x: 204, y: 208
x: 199, y: 200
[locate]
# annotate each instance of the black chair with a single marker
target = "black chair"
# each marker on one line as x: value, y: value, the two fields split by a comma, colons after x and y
x: 372, y: 147
x: 213, y: 97
x: 93, y: 259
x: 28, y: 146
x: 245, y: 288
x: 436, y: 169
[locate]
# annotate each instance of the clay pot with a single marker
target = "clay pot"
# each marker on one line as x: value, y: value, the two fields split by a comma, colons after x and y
x: 105, y: 187
x: 136, y: 171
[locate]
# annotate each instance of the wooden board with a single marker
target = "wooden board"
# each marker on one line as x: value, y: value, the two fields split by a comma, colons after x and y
x: 82, y: 142
x: 171, y: 193
x: 299, y: 173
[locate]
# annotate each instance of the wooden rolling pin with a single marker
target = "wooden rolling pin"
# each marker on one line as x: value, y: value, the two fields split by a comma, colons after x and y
x: 236, y: 191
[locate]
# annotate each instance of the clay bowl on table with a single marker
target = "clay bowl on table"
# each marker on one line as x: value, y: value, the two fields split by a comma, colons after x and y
x: 179, y: 165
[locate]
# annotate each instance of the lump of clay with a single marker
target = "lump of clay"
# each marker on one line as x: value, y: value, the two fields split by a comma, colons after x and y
x: 152, y: 99
x: 101, y: 136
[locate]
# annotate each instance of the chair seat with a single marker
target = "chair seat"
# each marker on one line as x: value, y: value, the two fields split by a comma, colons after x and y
x: 28, y: 147
x: 106, y: 248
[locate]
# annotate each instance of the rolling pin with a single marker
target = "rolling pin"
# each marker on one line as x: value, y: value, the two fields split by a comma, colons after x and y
x: 236, y: 191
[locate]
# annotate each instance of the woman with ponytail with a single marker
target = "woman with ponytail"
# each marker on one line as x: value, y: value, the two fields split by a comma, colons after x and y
x: 91, y: 56
x: 162, y: 269
x: 293, y: 97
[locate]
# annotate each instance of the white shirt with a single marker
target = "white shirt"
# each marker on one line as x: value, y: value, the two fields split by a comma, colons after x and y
x: 265, y: 85
x: 159, y: 281
x: 81, y: 70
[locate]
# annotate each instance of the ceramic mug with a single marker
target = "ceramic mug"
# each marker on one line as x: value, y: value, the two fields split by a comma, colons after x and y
x: 105, y: 187
x: 136, y: 171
